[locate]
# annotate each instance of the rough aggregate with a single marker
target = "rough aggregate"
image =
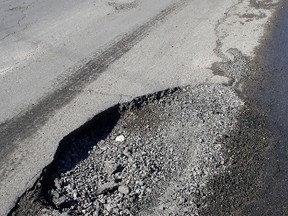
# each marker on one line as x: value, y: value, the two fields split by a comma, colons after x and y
x: 183, y: 151
x: 156, y: 159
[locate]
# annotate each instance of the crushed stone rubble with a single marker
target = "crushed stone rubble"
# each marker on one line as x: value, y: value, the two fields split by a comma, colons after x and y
x: 157, y: 159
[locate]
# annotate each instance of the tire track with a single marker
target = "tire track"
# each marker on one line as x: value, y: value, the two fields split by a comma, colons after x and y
x: 27, y: 123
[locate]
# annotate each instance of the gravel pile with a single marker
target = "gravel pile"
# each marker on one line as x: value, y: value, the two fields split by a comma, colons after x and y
x: 156, y: 160
x: 183, y: 151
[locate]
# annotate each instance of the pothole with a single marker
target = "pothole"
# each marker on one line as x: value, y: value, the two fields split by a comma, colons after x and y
x: 156, y: 155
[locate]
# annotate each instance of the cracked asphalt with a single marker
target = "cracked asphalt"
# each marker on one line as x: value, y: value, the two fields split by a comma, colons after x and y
x: 62, y: 63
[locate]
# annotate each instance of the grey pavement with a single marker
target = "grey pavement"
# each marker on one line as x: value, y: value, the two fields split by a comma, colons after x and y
x: 63, y: 62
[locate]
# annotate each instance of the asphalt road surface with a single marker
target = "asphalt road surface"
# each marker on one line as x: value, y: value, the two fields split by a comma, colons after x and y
x: 272, y: 199
x: 62, y: 62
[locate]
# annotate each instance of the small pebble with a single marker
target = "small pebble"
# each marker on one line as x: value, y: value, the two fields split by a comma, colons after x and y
x: 123, y: 189
x: 120, y: 138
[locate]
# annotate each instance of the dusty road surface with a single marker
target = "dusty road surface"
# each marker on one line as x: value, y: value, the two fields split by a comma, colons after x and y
x: 62, y: 63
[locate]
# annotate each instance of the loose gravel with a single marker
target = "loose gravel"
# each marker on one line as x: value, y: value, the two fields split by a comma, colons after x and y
x: 157, y: 155
x: 154, y: 154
